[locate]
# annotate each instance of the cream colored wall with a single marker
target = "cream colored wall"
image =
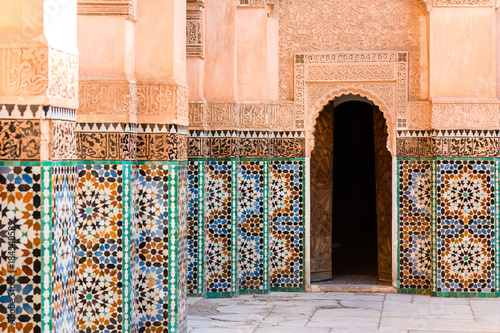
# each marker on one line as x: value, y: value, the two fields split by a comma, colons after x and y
x: 161, y: 41
x: 27, y: 29
x: 220, y: 51
x: 106, y: 47
x: 252, y: 62
x: 462, y: 52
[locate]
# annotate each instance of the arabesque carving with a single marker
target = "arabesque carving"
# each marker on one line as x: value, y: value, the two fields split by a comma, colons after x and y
x: 419, y: 115
x: 386, y: 86
x: 481, y: 116
x: 443, y: 3
x: 25, y: 71
x: 162, y: 99
x: 194, y: 32
x: 258, y: 116
x: 100, y: 97
x: 63, y: 75
x: 334, y: 25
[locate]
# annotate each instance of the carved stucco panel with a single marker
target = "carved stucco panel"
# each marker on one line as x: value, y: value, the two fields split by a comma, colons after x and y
x: 481, y: 116
x: 107, y: 98
x: 419, y: 115
x: 380, y: 94
x: 339, y: 25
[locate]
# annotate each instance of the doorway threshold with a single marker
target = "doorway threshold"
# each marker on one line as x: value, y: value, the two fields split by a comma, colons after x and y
x: 353, y: 283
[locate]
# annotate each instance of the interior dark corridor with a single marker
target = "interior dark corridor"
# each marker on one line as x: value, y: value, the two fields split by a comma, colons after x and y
x: 354, y: 229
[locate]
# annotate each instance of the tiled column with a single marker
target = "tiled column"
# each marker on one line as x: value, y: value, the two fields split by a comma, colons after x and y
x: 38, y: 102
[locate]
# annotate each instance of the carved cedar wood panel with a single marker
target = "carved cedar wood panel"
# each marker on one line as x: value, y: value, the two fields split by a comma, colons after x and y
x: 321, y: 195
x: 383, y: 182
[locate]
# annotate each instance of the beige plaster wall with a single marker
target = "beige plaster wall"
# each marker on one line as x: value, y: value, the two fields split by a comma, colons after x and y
x: 462, y: 52
x: 161, y: 41
x: 106, y: 45
x: 28, y: 28
x: 251, y: 24
x: 220, y: 51
x: 195, y: 67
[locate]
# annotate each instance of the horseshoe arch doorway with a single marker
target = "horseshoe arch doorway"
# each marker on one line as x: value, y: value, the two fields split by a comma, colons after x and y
x: 351, y: 194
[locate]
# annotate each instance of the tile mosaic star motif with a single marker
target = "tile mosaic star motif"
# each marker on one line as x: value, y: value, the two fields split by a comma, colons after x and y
x: 192, y: 228
x: 20, y: 230
x: 465, y: 226
x: 218, y: 226
x: 64, y: 242
x: 286, y: 224
x: 251, y: 225
x: 99, y: 248
x: 415, y: 205
x: 149, y: 254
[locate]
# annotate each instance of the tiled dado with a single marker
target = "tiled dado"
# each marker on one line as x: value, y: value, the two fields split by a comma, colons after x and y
x: 143, y: 142
x: 448, y: 222
x: 448, y: 143
x: 246, y: 144
x: 158, y: 245
x: 252, y: 238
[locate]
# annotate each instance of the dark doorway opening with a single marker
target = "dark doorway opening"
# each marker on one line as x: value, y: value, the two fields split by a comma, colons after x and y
x: 351, y: 195
x: 354, y: 227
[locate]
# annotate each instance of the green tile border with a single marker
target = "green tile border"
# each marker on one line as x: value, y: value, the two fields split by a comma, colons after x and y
x: 201, y: 228
x: 398, y: 229
x: 497, y: 226
x: 126, y: 258
x: 303, y: 165
x: 234, y: 227
x: 419, y: 291
x: 266, y: 227
x: 434, y: 226
x: 173, y: 252
x: 20, y: 163
x: 46, y: 242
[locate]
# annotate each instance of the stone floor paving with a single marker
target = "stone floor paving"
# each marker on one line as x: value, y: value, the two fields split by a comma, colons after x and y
x: 342, y: 312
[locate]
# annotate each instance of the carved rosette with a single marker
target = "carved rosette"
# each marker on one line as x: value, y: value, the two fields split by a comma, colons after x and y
x: 382, y: 77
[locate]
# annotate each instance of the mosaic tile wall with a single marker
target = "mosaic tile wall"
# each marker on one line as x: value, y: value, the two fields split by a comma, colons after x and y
x: 220, y: 228
x: 20, y: 260
x: 415, y: 219
x: 465, y: 227
x: 253, y: 231
x: 100, y: 248
x: 287, y: 234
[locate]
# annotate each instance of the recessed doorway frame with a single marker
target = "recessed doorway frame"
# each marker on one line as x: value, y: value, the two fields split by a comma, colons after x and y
x: 379, y: 76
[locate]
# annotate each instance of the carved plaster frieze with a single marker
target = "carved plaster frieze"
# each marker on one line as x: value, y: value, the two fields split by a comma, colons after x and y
x: 252, y: 3
x: 162, y: 99
x: 107, y: 8
x: 25, y: 71
x: 63, y: 75
x: 307, y: 26
x: 462, y: 3
x: 277, y: 116
x: 194, y: 32
x: 98, y: 97
x: 382, y: 77
x: 481, y: 116
x: 38, y: 71
x: 419, y: 116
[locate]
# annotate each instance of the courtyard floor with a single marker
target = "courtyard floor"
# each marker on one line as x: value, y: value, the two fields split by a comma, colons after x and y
x: 342, y: 312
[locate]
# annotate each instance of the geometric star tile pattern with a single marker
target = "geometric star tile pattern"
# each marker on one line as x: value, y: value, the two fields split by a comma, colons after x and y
x: 286, y: 199
x: 64, y: 238
x: 149, y: 238
x: 99, y: 248
x: 466, y: 226
x: 193, y: 237
x: 218, y: 226
x: 251, y: 232
x: 20, y: 237
x: 415, y: 214
x: 182, y: 248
